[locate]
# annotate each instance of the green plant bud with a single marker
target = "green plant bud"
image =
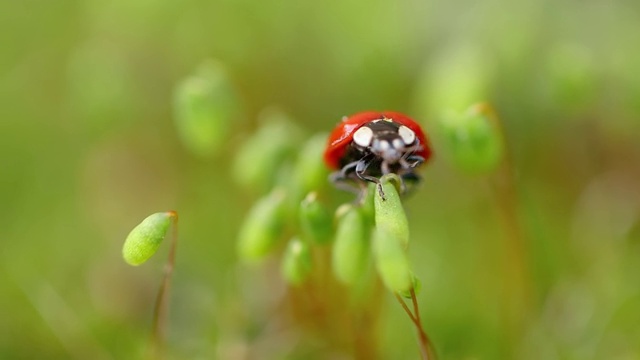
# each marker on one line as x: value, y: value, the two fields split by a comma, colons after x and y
x: 391, y: 261
x: 456, y: 78
x: 389, y: 213
x: 416, y: 285
x: 351, y: 247
x: 473, y: 140
x: 260, y: 158
x: 315, y: 220
x: 262, y: 227
x: 205, y: 107
x: 368, y: 204
x: 143, y: 241
x: 311, y: 173
x: 296, y: 262
x: 342, y: 210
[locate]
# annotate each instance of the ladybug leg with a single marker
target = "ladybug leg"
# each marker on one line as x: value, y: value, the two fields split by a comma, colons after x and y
x: 344, y: 172
x: 347, y: 184
x: 342, y: 180
x: 361, y: 167
x: 411, y: 162
x: 409, y: 178
x: 410, y: 182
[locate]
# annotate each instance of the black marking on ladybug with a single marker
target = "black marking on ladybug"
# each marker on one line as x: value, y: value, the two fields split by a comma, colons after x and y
x: 378, y: 148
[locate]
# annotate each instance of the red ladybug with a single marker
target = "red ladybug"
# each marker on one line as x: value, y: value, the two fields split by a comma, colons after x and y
x: 367, y: 145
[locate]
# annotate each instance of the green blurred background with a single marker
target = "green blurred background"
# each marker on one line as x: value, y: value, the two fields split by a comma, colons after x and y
x: 88, y: 149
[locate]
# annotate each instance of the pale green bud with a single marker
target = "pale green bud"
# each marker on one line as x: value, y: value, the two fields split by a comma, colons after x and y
x: 296, y: 262
x: 143, y: 241
x: 351, y: 247
x: 262, y: 227
x: 205, y: 107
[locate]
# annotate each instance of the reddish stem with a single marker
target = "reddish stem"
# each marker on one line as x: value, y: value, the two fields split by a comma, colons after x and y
x: 426, y: 351
x: 162, y: 298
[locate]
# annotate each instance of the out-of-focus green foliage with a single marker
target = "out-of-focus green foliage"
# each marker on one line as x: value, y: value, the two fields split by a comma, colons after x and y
x: 207, y: 109
x: 473, y: 139
x: 259, y: 159
x: 457, y: 77
x: 88, y: 145
x: 310, y: 172
x: 314, y: 220
x: 263, y: 226
x: 296, y: 262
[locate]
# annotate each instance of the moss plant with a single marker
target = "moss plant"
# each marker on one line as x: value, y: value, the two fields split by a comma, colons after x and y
x: 335, y: 267
x: 374, y: 230
x: 141, y: 244
x: 328, y: 261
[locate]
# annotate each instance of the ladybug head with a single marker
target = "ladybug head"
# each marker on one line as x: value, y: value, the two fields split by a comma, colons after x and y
x: 386, y: 139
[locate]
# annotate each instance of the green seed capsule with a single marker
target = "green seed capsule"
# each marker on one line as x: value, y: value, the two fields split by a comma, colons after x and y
x: 297, y: 262
x: 368, y: 204
x: 143, y: 241
x: 472, y: 139
x: 389, y: 213
x: 391, y: 261
x: 263, y: 226
x: 204, y: 105
x: 315, y: 221
x: 311, y: 172
x: 260, y: 158
x: 351, y: 247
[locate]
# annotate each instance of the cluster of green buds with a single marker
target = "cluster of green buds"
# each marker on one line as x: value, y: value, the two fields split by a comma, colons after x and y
x: 296, y: 208
x: 291, y: 219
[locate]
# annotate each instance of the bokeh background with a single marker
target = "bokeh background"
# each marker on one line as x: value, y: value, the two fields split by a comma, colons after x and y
x: 88, y: 148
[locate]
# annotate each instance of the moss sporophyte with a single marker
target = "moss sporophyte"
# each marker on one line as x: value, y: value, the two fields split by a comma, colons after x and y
x: 333, y: 264
x: 374, y: 155
x: 141, y: 244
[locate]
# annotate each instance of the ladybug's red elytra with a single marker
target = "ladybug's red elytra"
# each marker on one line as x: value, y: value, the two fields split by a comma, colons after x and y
x: 367, y: 145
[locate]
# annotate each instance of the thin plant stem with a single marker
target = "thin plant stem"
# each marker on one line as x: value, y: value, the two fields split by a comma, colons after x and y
x: 416, y: 309
x: 423, y: 340
x: 505, y: 193
x: 162, y: 298
x: 405, y: 307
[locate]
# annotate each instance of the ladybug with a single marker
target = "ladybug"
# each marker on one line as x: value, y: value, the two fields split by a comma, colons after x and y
x: 367, y: 145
